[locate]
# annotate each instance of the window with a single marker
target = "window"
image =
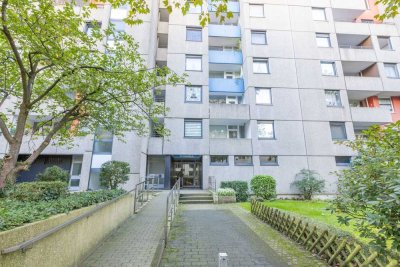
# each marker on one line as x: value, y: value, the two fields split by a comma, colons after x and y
x: 263, y: 96
x: 328, y: 68
x: 318, y: 13
x: 157, y: 129
x: 256, y: 10
x: 243, y: 160
x: 193, y: 128
x: 193, y: 34
x: 265, y: 129
x: 193, y: 94
x: 386, y: 103
x: 332, y: 98
x: 342, y: 160
x: 269, y: 160
x: 338, y: 131
x: 222, y: 99
x: 323, y: 40
x: 90, y: 26
x: 391, y: 70
x: 76, y: 169
x: 193, y: 63
x: 218, y: 131
x: 194, y: 8
x: 227, y: 131
x: 102, y: 147
x: 260, y: 65
x: 259, y: 37
x: 219, y: 160
x: 385, y: 43
x: 368, y: 21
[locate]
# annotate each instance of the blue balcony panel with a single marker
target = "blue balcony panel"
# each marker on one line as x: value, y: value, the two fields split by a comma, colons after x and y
x: 232, y: 6
x: 220, y: 85
x: 230, y: 31
x: 225, y: 57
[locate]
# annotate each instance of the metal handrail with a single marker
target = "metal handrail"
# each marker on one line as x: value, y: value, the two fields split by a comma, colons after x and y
x: 29, y: 243
x: 172, y: 204
x: 140, y: 191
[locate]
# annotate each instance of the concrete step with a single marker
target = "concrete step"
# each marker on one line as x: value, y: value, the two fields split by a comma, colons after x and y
x: 196, y: 197
x: 196, y: 201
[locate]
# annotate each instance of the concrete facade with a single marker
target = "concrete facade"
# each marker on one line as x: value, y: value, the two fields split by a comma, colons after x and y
x: 296, y: 38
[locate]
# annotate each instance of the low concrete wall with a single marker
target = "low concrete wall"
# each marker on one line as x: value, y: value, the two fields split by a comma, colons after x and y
x: 70, y: 245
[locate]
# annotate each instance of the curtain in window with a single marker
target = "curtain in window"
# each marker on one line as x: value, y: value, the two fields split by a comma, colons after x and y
x: 266, y: 130
x: 260, y: 66
x: 192, y: 128
x: 193, y: 63
x: 333, y: 98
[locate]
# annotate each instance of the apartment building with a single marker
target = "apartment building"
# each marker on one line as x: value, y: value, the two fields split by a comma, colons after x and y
x: 269, y: 91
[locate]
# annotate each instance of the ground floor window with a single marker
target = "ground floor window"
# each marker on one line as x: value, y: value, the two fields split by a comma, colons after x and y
x: 219, y: 160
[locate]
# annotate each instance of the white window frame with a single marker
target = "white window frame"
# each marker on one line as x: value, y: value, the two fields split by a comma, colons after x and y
x: 193, y: 121
x: 338, y: 104
x: 266, y: 123
x: 187, y: 87
x: 325, y: 37
x: 259, y: 61
x: 395, y: 68
x: 343, y: 126
x: 389, y: 99
x: 194, y: 29
x: 389, y: 43
x: 268, y: 97
x: 255, y: 14
x: 199, y: 57
x: 313, y: 9
x: 255, y: 32
x: 333, y: 64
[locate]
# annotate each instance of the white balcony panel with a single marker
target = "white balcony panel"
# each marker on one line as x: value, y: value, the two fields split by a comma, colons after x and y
x: 229, y: 111
x: 373, y: 115
x: 364, y: 83
x: 357, y: 54
x: 349, y: 4
x: 230, y: 147
x: 352, y: 28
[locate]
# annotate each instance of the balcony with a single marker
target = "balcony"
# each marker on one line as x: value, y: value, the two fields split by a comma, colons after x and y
x: 229, y: 31
x: 230, y: 147
x: 229, y: 111
x: 345, y: 6
x: 220, y: 85
x: 233, y: 7
x: 356, y: 47
x: 369, y: 116
x: 225, y: 57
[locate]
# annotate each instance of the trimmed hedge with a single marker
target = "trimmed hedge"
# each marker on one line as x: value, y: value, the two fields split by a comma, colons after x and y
x: 241, y: 188
x: 37, y: 191
x: 226, y: 192
x: 14, y: 213
x: 264, y: 186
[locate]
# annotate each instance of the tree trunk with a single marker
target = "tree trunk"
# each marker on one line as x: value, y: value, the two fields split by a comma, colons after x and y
x: 9, y: 170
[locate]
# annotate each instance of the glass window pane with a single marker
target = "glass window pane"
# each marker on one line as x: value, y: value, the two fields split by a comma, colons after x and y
x: 263, y: 96
x: 193, y: 128
x: 332, y: 98
x: 323, y: 40
x: 218, y: 131
x: 74, y: 182
x: 265, y: 130
x: 260, y: 66
x: 328, y: 68
x: 258, y: 37
x: 193, y: 34
x: 193, y: 63
x: 338, y: 131
x: 102, y: 147
x: 219, y: 160
x: 269, y: 160
x: 193, y: 94
x: 243, y: 160
x: 386, y: 103
x: 76, y: 168
x: 318, y: 14
x: 256, y: 10
x: 391, y: 70
x: 343, y: 160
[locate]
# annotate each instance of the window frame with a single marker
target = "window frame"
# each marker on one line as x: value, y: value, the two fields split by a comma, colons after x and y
x: 343, y: 164
x: 391, y: 103
x: 340, y: 99
x: 333, y: 63
x: 254, y: 5
x: 396, y: 68
x: 259, y: 32
x: 243, y: 164
x: 389, y: 41
x: 201, y: 94
x: 197, y: 57
x: 320, y: 35
x: 336, y: 124
x: 273, y: 130
x: 219, y: 164
x: 318, y: 8
x: 265, y: 163
x: 200, y: 121
x: 258, y: 59
x: 270, y: 96
x: 197, y: 29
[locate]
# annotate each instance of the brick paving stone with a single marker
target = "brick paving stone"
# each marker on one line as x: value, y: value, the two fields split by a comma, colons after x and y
x: 136, y: 241
x: 209, y: 229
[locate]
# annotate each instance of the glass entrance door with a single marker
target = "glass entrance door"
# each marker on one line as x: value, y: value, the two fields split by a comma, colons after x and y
x: 188, y: 171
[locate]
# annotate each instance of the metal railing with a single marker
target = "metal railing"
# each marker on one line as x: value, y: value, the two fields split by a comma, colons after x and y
x: 172, y: 205
x: 141, y: 193
x: 355, y: 47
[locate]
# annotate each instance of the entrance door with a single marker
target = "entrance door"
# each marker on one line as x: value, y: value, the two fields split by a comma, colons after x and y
x: 188, y: 171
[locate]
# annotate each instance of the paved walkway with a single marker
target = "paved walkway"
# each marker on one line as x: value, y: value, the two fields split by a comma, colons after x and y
x: 136, y: 241
x: 200, y: 232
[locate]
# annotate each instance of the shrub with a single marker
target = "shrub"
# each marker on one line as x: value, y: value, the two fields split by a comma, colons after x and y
x: 263, y: 186
x: 114, y: 173
x: 37, y: 191
x: 14, y: 213
x: 53, y: 173
x: 241, y: 188
x: 226, y: 192
x: 308, y: 184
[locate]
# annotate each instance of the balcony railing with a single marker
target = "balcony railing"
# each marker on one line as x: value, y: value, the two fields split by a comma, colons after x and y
x: 226, y: 85
x: 231, y: 31
x: 232, y: 6
x: 355, y: 47
x: 225, y: 57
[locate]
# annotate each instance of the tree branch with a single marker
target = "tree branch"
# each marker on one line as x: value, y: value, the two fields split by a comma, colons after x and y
x: 6, y: 132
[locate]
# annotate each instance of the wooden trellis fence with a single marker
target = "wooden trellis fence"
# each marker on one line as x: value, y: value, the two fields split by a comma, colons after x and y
x: 337, y: 251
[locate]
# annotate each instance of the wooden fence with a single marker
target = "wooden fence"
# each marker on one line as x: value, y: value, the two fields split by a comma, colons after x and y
x: 337, y: 251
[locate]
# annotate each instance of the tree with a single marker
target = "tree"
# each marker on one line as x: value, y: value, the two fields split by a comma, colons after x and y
x: 308, y: 184
x: 114, y: 173
x: 53, y: 173
x: 52, y: 71
x: 263, y: 186
x: 369, y: 192
x: 391, y: 8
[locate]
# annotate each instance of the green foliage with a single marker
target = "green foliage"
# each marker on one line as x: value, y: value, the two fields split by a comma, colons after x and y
x: 226, y: 192
x: 114, y: 173
x: 53, y: 173
x: 369, y: 191
x: 14, y: 213
x: 308, y: 184
x: 263, y: 186
x: 391, y: 9
x: 38, y: 191
x: 241, y: 188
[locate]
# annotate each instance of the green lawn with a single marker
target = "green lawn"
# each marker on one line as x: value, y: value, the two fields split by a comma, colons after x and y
x: 315, y: 210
